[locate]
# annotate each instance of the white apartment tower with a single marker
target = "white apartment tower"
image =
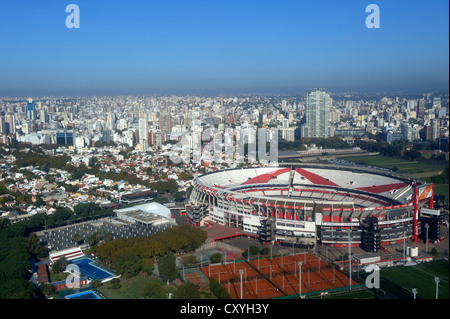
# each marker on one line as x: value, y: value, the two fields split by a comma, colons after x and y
x: 317, y: 114
x: 143, y: 131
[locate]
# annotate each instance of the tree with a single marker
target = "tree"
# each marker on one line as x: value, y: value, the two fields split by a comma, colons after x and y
x: 179, y: 196
x: 92, y: 239
x: 167, y: 267
x: 35, y: 248
x: 96, y: 283
x: 254, y: 250
x: 48, y: 289
x: 190, y: 260
x: 187, y: 291
x: 76, y: 238
x: 147, y: 265
x: 153, y: 289
x: 218, y: 290
x: 216, y: 258
x: 171, y: 186
x: 127, y: 263
x: 115, y: 283
x: 59, y: 265
x: 17, y: 289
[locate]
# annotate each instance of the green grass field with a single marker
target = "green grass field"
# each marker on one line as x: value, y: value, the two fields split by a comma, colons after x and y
x: 408, y: 167
x: 131, y: 288
x: 420, y: 277
x: 397, y: 282
x: 442, y: 189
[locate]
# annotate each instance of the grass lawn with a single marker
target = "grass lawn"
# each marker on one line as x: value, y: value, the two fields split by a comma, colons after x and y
x: 131, y: 288
x: 58, y: 276
x: 441, y: 189
x: 407, y: 167
x: 420, y: 277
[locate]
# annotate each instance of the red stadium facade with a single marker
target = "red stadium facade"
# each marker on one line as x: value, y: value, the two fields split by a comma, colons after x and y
x: 312, y: 204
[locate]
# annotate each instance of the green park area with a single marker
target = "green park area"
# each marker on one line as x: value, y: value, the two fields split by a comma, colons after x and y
x: 414, y: 168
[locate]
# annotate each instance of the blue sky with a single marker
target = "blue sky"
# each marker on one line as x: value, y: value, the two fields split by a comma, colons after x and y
x: 221, y: 46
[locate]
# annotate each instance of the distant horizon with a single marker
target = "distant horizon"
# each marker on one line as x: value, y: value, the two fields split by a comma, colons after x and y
x: 224, y: 95
x: 229, y: 47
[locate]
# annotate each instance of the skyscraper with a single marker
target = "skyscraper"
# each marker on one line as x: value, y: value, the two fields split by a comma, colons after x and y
x: 10, y: 124
x: 317, y: 114
x: 30, y: 110
x: 2, y: 125
x: 143, y: 132
x: 165, y: 122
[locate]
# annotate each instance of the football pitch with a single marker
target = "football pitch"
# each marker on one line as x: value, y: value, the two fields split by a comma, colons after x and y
x: 398, y: 282
x: 401, y: 280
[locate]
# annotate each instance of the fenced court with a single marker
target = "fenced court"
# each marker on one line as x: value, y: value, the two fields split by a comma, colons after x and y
x: 91, y: 269
x: 278, y: 277
x: 193, y: 275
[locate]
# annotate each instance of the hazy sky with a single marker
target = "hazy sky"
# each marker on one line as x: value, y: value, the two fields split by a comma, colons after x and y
x: 221, y: 46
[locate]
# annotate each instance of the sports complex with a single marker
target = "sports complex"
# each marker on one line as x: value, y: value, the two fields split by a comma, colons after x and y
x: 291, y: 276
x: 315, y: 203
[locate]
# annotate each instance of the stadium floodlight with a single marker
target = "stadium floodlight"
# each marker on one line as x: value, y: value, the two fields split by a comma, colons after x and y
x: 240, y: 273
x: 300, y: 279
x: 350, y: 258
x: 437, y: 280
x: 414, y: 291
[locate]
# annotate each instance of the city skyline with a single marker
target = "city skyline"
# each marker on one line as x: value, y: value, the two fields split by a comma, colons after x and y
x: 124, y: 48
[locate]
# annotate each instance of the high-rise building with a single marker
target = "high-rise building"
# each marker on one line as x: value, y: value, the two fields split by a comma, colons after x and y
x: 111, y: 120
x: 10, y: 124
x: 65, y: 137
x: 165, y: 122
x: 43, y: 116
x: 143, y: 132
x: 2, y: 125
x: 30, y: 110
x: 435, y: 129
x: 317, y: 114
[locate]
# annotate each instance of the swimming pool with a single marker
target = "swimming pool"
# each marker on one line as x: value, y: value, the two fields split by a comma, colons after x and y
x: 88, y: 294
x: 91, y: 269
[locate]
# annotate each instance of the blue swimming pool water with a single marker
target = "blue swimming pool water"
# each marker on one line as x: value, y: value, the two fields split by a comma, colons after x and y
x: 88, y: 268
x: 89, y: 294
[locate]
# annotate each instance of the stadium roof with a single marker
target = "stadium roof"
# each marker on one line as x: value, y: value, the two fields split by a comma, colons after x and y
x: 383, y: 186
x: 147, y: 210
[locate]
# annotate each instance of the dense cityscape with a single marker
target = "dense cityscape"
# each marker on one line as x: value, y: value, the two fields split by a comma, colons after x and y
x: 135, y: 135
x: 102, y: 153
x: 230, y: 157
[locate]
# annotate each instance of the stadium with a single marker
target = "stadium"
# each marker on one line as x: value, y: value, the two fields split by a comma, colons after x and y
x: 308, y: 204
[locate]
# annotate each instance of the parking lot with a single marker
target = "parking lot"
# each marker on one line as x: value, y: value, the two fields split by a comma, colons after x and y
x: 63, y: 237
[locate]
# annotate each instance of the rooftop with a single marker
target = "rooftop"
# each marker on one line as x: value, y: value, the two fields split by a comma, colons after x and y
x: 145, y: 213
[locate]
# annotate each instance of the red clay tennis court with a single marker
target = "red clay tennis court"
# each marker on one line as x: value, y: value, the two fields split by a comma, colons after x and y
x: 278, y: 277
